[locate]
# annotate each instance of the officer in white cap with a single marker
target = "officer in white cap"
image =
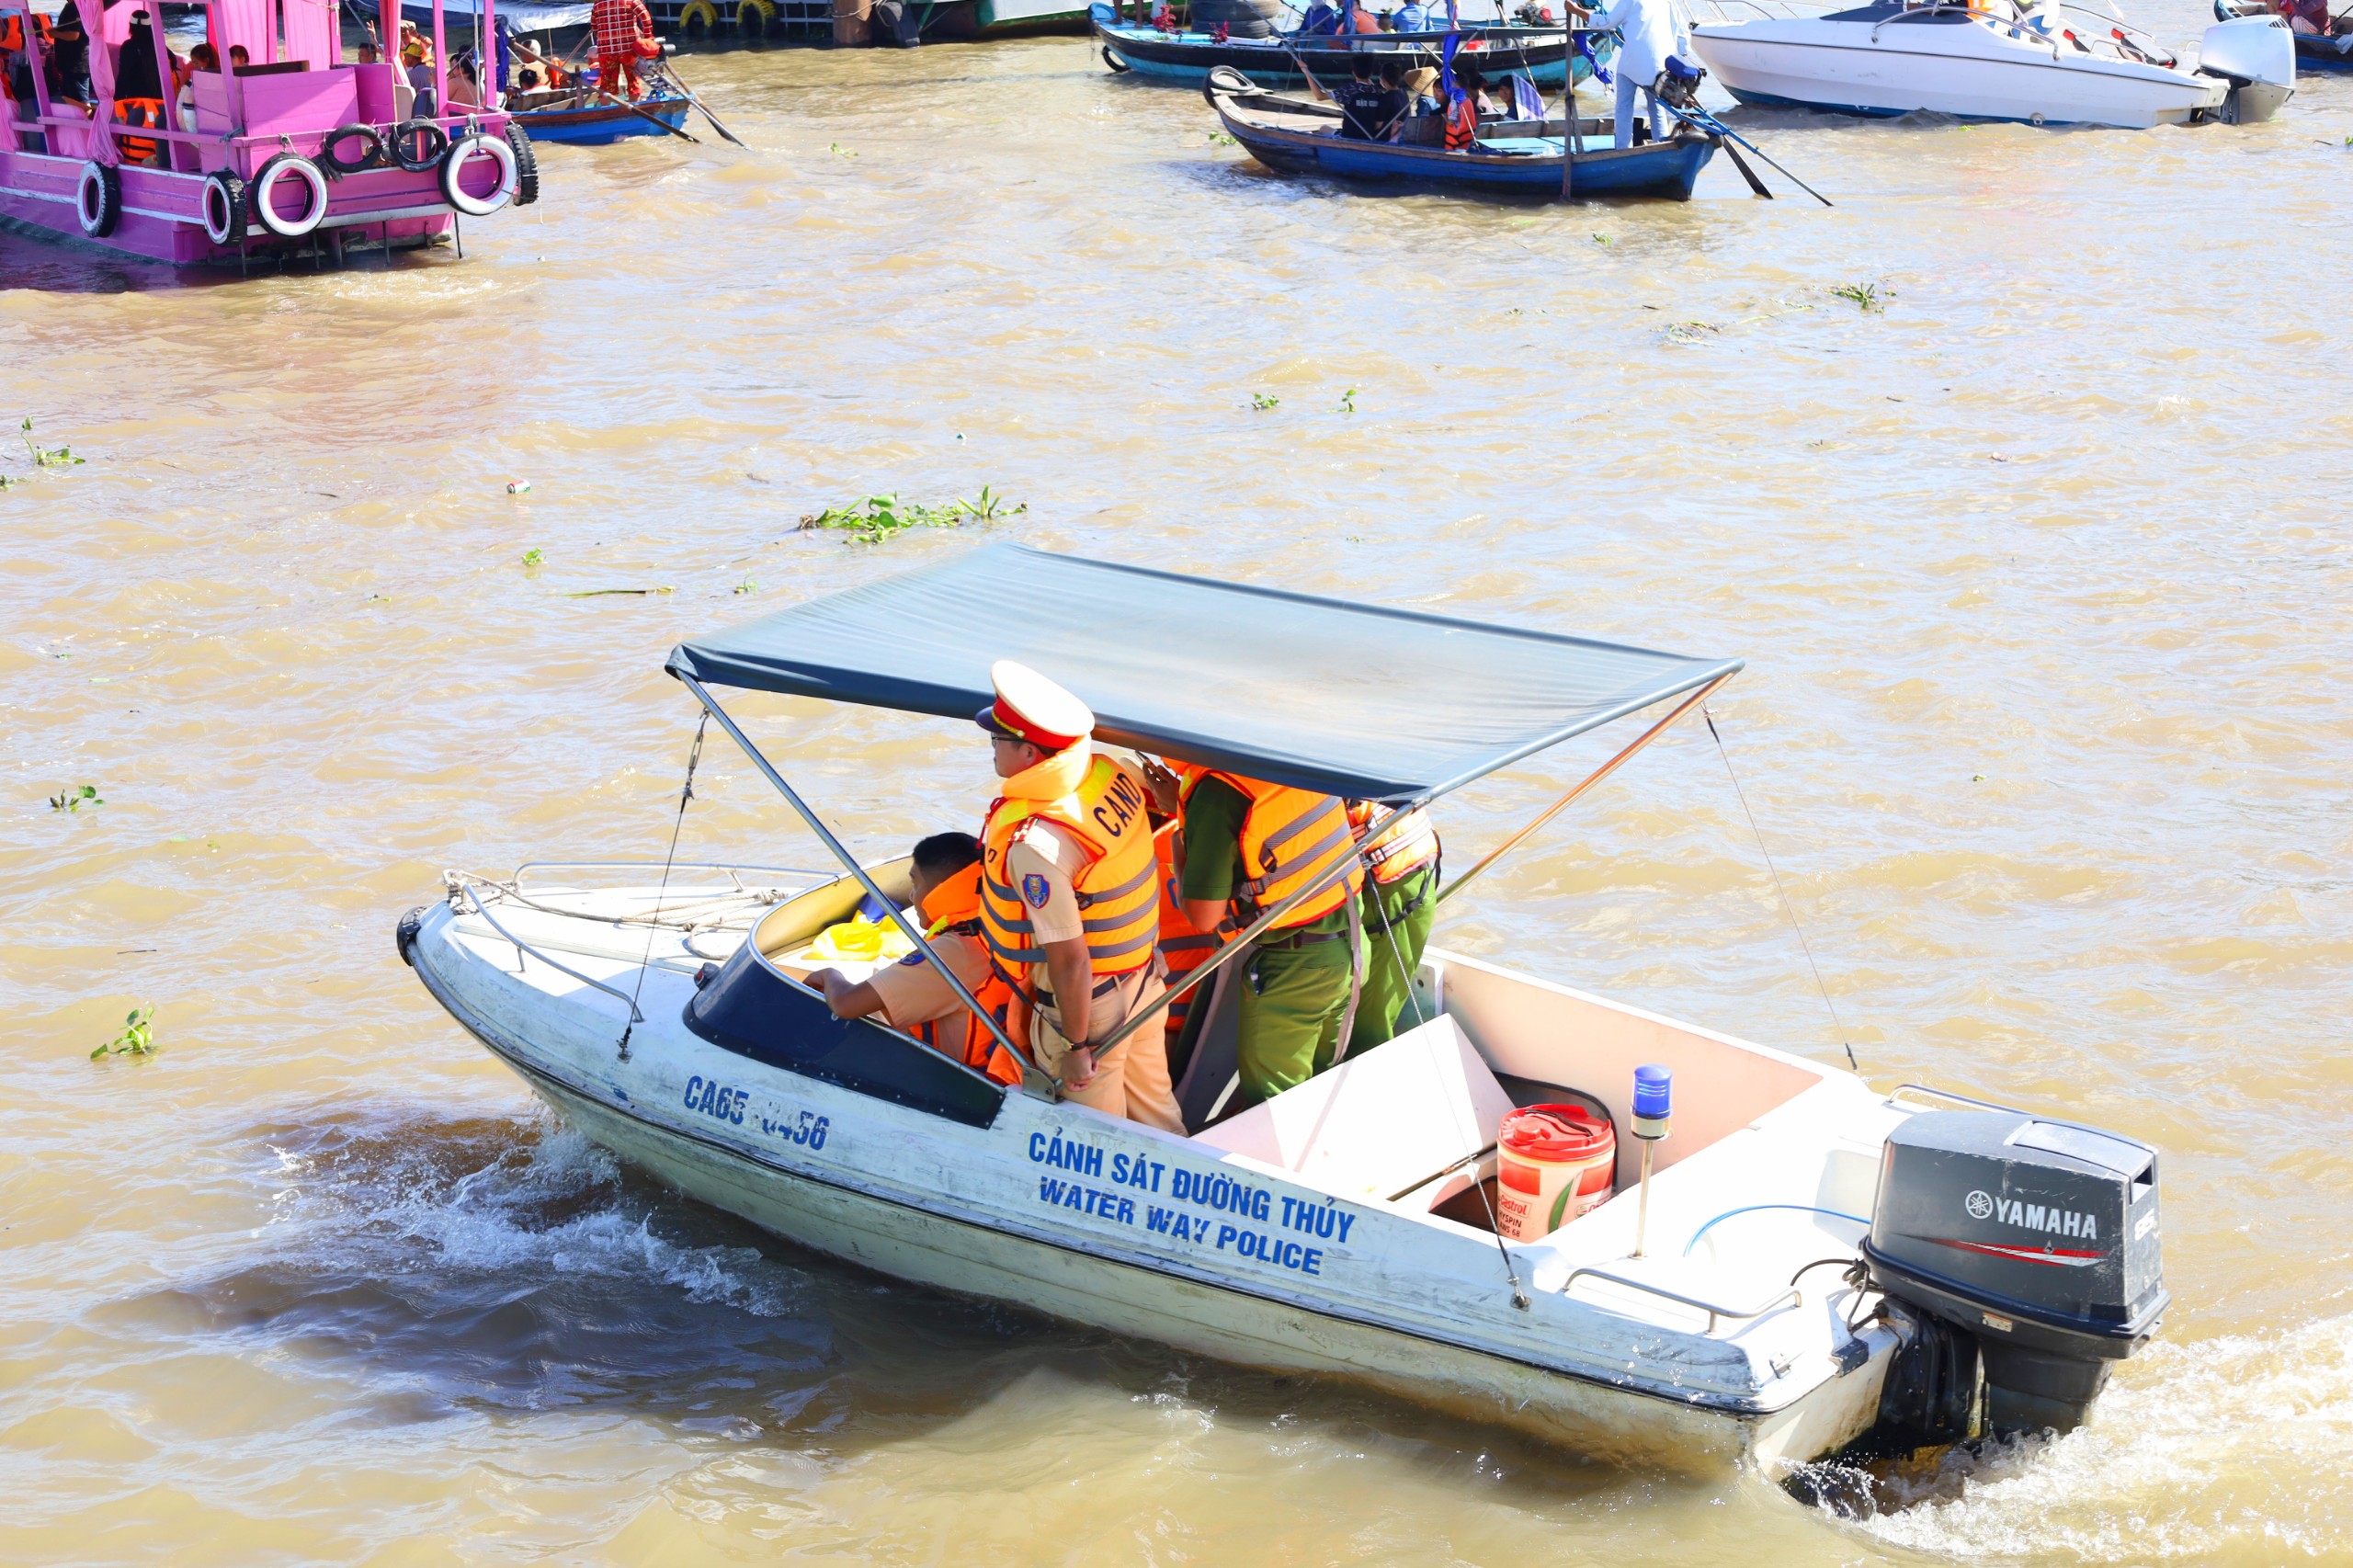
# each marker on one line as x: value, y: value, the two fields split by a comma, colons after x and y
x: 1070, y: 901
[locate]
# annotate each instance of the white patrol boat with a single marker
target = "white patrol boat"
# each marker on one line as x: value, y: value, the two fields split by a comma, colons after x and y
x: 1798, y: 1264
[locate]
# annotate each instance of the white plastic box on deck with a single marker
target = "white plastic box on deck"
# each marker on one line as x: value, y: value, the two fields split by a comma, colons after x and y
x: 1346, y: 1227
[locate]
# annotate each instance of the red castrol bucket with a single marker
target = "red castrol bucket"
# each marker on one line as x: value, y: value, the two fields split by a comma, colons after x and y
x: 1554, y: 1161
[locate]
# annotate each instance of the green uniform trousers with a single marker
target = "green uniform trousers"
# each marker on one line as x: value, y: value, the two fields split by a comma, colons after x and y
x: 1395, y: 935
x: 1292, y: 1000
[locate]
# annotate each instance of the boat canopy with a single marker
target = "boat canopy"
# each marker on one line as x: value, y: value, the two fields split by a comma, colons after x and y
x: 1351, y: 699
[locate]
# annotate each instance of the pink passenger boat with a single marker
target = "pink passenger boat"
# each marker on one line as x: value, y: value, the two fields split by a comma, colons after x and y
x: 295, y: 151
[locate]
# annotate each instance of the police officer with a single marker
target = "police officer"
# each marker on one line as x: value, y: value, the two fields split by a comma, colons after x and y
x: 1400, y: 905
x: 1248, y: 847
x: 1070, y: 901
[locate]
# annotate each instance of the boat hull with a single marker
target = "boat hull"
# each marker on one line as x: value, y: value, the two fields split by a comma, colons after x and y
x: 163, y: 213
x: 974, y: 1204
x: 599, y: 125
x: 1531, y: 169
x: 1188, y: 58
x: 1964, y: 69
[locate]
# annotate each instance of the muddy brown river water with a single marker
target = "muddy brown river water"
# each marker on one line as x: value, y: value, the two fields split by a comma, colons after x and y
x: 2042, y: 570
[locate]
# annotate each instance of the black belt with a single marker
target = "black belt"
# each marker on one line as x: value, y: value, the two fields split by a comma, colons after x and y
x: 1302, y: 940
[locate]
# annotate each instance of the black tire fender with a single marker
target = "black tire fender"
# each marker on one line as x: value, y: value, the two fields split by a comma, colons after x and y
x: 416, y: 145
x: 1119, y: 66
x: 97, y: 199
x: 404, y: 935
x: 526, y: 165
x: 371, y: 154
x: 223, y: 203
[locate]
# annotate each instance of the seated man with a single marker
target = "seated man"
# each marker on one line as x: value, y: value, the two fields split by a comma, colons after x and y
x: 1367, y: 110
x: 911, y: 994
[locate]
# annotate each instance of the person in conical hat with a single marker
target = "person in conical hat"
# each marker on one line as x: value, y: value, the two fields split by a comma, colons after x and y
x: 1069, y: 906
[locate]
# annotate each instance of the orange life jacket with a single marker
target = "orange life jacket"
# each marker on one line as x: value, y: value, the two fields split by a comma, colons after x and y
x: 1461, y: 123
x: 1184, y: 948
x: 139, y: 111
x: 953, y: 909
x: 1408, y: 845
x: 1115, y: 887
x: 1289, y: 837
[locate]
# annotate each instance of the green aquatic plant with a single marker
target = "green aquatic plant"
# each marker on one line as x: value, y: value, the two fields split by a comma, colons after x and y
x: 1347, y: 402
x: 137, y: 1039
x: 1220, y: 139
x: 838, y: 151
x: 74, y: 799
x: 870, y: 519
x: 46, y: 457
x: 1260, y: 403
x: 534, y: 557
x: 1866, y: 297
x: 748, y: 585
x: 1691, y: 331
x: 1600, y: 238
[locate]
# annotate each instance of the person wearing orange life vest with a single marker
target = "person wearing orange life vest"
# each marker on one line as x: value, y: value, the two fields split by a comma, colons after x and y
x: 1400, y: 865
x: 1069, y: 905
x: 911, y: 994
x: 1250, y: 846
x: 1183, y: 947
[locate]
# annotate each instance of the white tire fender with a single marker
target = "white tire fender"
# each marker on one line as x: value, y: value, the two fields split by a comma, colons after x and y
x: 262, y: 198
x: 499, y: 152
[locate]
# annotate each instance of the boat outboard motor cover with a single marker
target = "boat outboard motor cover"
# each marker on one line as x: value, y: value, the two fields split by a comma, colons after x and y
x: 2038, y: 1237
x: 2257, y: 55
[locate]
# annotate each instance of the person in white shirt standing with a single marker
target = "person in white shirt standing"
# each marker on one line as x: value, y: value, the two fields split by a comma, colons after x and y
x: 1648, y: 31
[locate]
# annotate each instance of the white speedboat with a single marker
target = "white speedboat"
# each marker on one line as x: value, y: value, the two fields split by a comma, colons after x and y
x: 2045, y: 64
x: 1802, y: 1262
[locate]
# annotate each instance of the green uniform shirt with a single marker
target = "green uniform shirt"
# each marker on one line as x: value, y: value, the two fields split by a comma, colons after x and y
x: 1213, y: 815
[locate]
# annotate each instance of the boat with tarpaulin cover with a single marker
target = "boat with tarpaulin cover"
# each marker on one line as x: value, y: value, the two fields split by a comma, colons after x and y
x: 1511, y: 157
x: 293, y: 151
x: 1774, y: 1279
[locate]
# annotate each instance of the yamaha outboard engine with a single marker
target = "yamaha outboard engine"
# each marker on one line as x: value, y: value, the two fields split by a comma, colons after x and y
x: 2027, y: 1245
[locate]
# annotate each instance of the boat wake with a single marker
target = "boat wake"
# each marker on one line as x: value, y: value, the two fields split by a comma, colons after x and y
x: 2199, y: 1452
x: 442, y: 1264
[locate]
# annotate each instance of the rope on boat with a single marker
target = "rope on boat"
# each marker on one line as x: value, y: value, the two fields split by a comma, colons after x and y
x: 1787, y: 908
x: 686, y: 793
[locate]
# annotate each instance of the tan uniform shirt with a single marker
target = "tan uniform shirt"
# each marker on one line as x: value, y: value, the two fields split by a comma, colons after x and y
x: 913, y: 992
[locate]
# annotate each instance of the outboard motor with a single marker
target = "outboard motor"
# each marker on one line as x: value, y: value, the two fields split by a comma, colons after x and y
x: 2257, y: 55
x: 2027, y: 1245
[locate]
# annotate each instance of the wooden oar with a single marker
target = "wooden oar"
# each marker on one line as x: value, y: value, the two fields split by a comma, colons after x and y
x: 678, y: 82
x: 648, y: 117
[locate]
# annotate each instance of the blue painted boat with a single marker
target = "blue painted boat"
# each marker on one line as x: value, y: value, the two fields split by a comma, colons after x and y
x: 582, y: 118
x: 1512, y: 158
x: 1541, y: 54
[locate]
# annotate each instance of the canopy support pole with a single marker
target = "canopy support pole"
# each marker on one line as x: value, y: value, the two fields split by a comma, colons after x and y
x: 1596, y: 777
x: 1032, y: 1078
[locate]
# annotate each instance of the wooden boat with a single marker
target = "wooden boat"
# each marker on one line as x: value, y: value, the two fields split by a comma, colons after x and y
x: 1725, y: 1306
x: 1512, y: 158
x: 583, y: 118
x: 295, y: 152
x: 2312, y: 52
x: 1541, y: 54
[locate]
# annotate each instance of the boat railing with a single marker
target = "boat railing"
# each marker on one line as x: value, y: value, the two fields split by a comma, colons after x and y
x: 1790, y: 1295
x: 730, y: 867
x: 458, y: 883
x: 1895, y: 1097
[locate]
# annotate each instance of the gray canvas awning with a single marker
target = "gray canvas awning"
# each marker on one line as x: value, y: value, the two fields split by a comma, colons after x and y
x: 1345, y: 699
